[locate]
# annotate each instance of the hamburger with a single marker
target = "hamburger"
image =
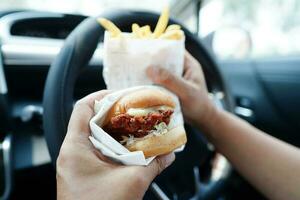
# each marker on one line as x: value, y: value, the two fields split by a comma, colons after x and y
x: 140, y: 121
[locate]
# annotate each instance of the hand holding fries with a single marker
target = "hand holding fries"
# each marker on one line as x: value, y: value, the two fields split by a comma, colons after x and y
x: 161, y: 31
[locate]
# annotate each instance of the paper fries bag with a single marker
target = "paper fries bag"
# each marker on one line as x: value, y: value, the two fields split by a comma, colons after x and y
x: 109, y: 146
x: 126, y: 59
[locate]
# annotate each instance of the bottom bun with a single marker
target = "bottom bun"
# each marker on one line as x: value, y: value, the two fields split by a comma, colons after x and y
x: 159, y: 145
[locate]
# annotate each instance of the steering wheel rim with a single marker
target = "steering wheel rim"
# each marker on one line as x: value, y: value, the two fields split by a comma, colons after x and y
x: 74, y: 57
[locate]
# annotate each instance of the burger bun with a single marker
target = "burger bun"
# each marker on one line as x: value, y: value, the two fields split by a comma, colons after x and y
x: 153, y: 145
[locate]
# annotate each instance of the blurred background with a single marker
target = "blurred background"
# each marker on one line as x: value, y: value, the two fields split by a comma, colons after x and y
x: 254, y: 43
x: 233, y: 29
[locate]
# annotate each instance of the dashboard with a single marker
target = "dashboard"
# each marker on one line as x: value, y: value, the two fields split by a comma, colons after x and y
x: 34, y: 38
x: 30, y: 41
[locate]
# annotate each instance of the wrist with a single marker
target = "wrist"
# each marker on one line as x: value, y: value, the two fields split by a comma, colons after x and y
x: 209, y: 120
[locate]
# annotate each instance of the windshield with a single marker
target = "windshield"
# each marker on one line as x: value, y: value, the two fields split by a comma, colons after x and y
x: 86, y: 7
x: 252, y: 28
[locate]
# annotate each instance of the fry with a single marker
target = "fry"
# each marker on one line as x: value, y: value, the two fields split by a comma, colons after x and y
x: 162, y: 30
x: 145, y: 31
x: 110, y: 27
x: 172, y: 35
x: 162, y: 23
x: 135, y: 30
x: 173, y: 27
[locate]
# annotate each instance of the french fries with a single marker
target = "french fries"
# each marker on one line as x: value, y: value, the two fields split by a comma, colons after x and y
x: 173, y: 27
x: 141, y: 32
x: 110, y: 27
x: 145, y: 31
x: 172, y: 35
x: 161, y: 31
x: 162, y: 23
x: 136, y: 30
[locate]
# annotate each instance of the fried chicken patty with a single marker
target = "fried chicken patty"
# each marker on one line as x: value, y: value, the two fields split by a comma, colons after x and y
x: 138, y: 126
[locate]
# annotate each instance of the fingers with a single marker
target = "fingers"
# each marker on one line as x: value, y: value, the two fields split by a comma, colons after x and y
x: 168, y: 80
x: 157, y: 166
x: 185, y: 66
x: 187, y: 55
x: 83, y: 112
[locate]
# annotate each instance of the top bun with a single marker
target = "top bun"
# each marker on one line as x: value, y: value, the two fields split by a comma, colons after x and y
x: 141, y: 99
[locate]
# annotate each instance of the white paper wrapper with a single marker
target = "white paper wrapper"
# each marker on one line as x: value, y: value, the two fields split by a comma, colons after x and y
x: 125, y: 62
x: 109, y: 146
x: 126, y: 59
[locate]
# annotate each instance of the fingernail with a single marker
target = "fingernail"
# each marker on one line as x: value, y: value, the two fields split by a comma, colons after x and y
x: 168, y: 159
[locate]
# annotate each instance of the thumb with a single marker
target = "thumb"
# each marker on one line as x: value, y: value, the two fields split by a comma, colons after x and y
x: 158, y: 165
x: 83, y: 112
x: 168, y: 80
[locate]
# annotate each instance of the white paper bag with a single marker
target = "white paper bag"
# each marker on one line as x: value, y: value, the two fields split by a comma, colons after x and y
x: 126, y: 59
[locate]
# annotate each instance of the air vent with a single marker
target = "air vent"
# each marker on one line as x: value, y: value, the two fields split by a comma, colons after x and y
x: 53, y: 28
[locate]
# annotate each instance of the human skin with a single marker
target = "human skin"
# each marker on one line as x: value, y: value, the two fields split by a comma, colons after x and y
x: 84, y: 173
x: 270, y: 165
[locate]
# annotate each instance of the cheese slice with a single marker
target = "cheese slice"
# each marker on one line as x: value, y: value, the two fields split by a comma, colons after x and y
x: 145, y: 111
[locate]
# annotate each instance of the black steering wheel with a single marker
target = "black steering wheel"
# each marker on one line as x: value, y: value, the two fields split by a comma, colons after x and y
x: 74, y: 57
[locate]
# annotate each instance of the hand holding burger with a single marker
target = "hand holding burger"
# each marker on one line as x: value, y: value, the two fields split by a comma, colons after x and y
x: 84, y: 173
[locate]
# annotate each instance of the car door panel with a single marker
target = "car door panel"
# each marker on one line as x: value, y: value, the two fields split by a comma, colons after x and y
x: 281, y: 80
x: 273, y: 88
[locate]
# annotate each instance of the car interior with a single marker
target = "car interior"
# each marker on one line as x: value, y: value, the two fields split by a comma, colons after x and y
x: 51, y: 56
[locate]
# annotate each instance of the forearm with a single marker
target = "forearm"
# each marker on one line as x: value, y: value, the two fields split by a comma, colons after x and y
x: 271, y: 165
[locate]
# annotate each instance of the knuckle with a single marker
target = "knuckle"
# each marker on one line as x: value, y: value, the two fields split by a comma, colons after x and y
x: 185, y: 97
x: 61, y: 160
x: 79, y: 103
x: 64, y: 159
x: 64, y: 164
x: 165, y: 76
x: 160, y: 165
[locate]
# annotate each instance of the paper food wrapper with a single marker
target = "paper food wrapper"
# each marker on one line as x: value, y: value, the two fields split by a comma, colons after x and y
x: 125, y: 62
x: 112, y: 148
x: 126, y: 59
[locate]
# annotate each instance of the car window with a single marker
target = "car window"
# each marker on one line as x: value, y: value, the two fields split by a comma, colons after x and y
x: 251, y: 29
x: 181, y: 10
x: 87, y: 7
